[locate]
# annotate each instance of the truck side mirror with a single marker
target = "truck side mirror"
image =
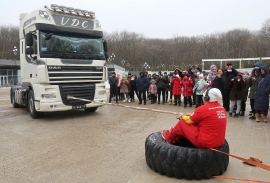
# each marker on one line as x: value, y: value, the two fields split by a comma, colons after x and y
x: 105, y: 45
x: 28, y: 39
x: 106, y: 55
x: 29, y: 51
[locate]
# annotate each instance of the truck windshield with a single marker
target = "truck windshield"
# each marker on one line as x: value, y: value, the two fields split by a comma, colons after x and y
x: 70, y: 45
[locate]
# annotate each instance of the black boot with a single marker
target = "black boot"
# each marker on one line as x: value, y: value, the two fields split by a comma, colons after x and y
x: 236, y: 115
x: 230, y: 114
x: 179, y: 103
x: 252, y: 116
x: 175, y: 103
x: 242, y: 113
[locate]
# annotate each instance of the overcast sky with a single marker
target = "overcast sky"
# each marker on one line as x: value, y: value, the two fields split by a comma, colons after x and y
x: 157, y: 18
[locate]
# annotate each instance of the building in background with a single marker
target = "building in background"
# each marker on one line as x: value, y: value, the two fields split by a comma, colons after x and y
x: 9, y: 72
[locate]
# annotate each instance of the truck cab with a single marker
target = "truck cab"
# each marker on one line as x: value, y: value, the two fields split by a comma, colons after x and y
x: 62, y: 59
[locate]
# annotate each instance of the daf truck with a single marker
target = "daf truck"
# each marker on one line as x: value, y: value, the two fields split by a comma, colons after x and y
x: 62, y: 60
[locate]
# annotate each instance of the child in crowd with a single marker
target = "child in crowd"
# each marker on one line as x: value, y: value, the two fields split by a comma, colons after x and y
x: 187, y: 85
x: 176, y: 89
x: 199, y: 90
x: 152, y: 90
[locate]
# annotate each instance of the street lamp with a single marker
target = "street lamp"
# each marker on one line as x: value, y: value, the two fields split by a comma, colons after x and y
x: 128, y: 65
x: 146, y: 66
x: 15, y: 50
x: 123, y: 62
x: 111, y: 58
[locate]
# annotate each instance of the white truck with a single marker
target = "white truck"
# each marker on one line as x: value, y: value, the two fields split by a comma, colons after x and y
x: 62, y: 59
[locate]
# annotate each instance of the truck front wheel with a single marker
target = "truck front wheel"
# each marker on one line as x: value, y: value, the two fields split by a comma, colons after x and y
x: 31, y: 106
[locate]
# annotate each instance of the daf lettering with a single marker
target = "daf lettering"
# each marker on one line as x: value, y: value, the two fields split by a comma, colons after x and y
x: 54, y: 67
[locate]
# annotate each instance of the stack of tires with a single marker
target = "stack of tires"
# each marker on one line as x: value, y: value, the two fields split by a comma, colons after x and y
x: 184, y: 160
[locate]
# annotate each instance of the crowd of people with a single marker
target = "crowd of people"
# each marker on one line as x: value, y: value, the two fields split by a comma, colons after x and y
x: 187, y: 87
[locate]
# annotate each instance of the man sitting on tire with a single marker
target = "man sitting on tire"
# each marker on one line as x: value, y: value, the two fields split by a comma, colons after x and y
x: 206, y: 127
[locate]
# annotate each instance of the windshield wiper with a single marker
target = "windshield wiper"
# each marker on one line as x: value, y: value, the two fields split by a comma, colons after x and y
x: 96, y: 56
x: 63, y: 55
x: 79, y: 56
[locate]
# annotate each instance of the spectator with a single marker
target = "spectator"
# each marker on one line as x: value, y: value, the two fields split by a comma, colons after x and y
x: 149, y: 77
x: 168, y: 87
x: 211, y: 75
x: 262, y: 89
x: 124, y: 89
x: 152, y: 90
x: 171, y: 87
x: 129, y: 86
x: 133, y: 88
x: 251, y: 83
x: 187, y: 84
x: 199, y: 90
x: 161, y: 83
x: 113, y: 81
x: 194, y: 72
x: 237, y: 85
x: 244, y: 92
x: 257, y: 65
x: 219, y: 82
x: 177, y: 71
x: 119, y: 86
x: 176, y: 89
x: 154, y: 76
x: 142, y: 85
x: 229, y: 73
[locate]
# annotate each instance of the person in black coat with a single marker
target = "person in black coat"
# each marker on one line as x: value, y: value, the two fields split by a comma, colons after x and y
x: 262, y: 90
x: 229, y: 73
x: 219, y: 82
x: 113, y: 81
x: 142, y: 85
x: 237, y: 85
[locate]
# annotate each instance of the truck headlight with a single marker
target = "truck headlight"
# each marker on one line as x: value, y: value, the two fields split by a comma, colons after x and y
x: 102, y: 92
x: 48, y: 96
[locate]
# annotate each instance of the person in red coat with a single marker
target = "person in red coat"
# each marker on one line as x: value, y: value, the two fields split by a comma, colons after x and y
x: 176, y: 90
x: 205, y: 128
x: 187, y: 85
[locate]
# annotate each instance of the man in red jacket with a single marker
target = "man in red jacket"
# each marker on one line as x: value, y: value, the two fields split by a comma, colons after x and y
x: 206, y: 127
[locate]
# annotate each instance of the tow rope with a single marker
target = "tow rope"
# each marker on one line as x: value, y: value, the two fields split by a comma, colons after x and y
x: 251, y: 161
x: 241, y: 179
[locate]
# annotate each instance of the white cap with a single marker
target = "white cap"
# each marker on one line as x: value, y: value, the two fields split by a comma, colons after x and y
x: 214, y: 94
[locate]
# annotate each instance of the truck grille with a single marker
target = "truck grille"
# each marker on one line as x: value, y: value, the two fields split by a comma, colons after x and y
x: 83, y: 91
x: 67, y: 74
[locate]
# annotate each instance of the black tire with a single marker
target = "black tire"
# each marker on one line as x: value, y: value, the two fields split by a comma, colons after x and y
x: 14, y: 104
x: 184, y: 162
x: 92, y: 109
x: 31, y: 106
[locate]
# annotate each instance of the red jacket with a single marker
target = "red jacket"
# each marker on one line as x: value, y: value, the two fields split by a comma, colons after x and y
x: 211, y: 120
x: 187, y: 85
x: 176, y: 86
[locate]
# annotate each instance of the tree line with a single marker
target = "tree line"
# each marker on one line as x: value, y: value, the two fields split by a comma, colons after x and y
x: 166, y: 54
